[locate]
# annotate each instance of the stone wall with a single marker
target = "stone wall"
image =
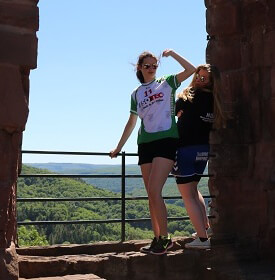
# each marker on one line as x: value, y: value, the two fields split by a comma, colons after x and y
x: 18, y: 54
x: 242, y: 45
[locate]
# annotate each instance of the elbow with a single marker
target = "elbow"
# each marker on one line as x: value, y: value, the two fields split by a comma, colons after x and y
x: 192, y: 69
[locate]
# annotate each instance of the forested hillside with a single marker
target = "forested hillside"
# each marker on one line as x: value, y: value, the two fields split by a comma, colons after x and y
x: 79, y: 233
x: 134, y: 186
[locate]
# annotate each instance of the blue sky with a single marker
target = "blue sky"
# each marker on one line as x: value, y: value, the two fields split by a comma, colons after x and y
x: 80, y: 91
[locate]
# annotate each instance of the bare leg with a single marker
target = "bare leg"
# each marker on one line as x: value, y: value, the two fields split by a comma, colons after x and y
x: 193, y: 204
x: 203, y: 209
x: 145, y: 171
x: 160, y: 170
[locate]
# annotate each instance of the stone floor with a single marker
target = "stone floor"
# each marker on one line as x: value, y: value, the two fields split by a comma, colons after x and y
x: 123, y: 261
x: 106, y: 260
x: 69, y: 277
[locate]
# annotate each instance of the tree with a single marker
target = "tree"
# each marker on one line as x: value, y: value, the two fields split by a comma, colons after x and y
x: 29, y: 236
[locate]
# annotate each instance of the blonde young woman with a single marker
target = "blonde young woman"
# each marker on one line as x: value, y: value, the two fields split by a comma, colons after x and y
x: 154, y: 102
x: 198, y: 109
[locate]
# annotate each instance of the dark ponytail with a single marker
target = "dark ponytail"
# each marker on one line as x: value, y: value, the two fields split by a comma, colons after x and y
x: 140, y: 76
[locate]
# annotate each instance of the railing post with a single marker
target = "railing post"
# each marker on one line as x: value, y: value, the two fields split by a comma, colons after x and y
x: 123, y: 197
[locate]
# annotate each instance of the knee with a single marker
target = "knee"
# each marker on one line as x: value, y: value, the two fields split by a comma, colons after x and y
x: 191, y: 196
x: 153, y: 195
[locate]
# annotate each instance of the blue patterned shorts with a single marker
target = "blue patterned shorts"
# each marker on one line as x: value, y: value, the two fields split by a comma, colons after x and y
x: 190, y: 163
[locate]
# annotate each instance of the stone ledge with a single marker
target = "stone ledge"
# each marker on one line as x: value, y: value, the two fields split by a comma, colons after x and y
x: 94, y: 248
x: 113, y: 261
x: 128, y: 265
x: 69, y: 277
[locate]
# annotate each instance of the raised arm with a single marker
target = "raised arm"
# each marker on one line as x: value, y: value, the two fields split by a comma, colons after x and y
x: 189, y: 68
x: 130, y: 125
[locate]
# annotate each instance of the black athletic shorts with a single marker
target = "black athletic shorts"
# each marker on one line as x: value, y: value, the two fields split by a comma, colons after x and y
x: 165, y: 148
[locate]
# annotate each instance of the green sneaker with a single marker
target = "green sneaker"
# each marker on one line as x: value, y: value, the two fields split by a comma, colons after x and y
x: 147, y: 249
x: 163, y: 244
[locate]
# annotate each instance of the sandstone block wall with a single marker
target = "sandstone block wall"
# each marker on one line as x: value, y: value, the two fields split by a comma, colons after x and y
x: 241, y: 44
x: 18, y: 54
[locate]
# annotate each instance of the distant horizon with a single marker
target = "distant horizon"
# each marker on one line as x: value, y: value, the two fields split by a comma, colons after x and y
x: 75, y: 163
x: 80, y: 163
x: 77, y: 159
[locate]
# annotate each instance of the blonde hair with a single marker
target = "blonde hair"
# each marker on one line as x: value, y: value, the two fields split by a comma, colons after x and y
x: 214, y: 86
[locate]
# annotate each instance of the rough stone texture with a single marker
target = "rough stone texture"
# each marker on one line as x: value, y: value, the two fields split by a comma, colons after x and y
x: 18, y: 54
x: 19, y: 15
x: 69, y: 277
x: 14, y: 105
x: 242, y: 39
x: 8, y: 263
x: 116, y: 264
x: 113, y: 261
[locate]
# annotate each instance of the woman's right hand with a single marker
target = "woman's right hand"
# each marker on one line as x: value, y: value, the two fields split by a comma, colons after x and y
x: 113, y: 153
x: 179, y: 113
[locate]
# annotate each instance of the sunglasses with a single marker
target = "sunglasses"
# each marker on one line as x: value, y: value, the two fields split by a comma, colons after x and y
x: 201, y: 78
x: 147, y: 66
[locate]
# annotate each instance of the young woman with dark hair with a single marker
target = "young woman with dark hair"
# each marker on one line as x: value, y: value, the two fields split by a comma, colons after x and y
x: 154, y: 102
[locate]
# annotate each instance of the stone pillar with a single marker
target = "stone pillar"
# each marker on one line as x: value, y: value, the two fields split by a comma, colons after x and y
x: 18, y: 54
x: 241, y: 44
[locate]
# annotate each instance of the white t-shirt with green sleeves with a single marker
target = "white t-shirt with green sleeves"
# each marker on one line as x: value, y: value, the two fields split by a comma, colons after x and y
x: 154, y: 103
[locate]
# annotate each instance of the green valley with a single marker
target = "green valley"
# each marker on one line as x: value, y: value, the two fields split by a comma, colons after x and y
x: 30, y: 187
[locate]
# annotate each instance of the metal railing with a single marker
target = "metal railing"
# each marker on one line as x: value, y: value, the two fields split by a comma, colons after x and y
x: 122, y: 198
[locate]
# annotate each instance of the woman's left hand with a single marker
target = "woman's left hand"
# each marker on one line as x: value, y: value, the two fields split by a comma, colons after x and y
x: 167, y: 52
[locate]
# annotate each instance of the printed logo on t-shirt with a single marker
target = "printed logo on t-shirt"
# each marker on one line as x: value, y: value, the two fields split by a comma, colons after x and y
x: 150, y: 100
x: 154, y: 105
x: 208, y: 118
x: 202, y: 156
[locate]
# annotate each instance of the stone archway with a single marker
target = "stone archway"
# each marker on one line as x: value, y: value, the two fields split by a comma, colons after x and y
x: 242, y: 39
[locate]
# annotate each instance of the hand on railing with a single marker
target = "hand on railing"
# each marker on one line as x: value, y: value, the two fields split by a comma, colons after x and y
x: 114, y: 153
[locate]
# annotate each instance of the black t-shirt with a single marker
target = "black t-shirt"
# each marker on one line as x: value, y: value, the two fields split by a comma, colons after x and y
x: 196, y: 120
